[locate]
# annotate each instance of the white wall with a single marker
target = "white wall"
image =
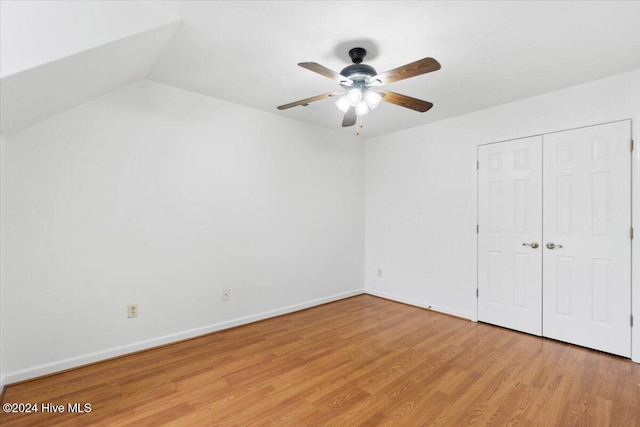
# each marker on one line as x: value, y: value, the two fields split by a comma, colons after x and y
x: 2, y: 382
x: 421, y: 192
x: 162, y: 197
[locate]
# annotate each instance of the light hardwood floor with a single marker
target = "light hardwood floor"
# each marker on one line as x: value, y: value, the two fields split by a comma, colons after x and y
x: 359, y: 361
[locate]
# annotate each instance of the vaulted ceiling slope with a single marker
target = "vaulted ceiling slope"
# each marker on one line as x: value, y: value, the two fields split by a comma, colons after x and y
x: 57, y: 55
x: 60, y: 54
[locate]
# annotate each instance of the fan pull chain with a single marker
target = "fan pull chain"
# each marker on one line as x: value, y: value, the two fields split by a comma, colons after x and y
x: 359, y: 125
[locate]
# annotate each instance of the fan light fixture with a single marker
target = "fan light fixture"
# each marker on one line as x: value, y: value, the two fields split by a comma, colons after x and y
x: 362, y: 99
x: 360, y: 80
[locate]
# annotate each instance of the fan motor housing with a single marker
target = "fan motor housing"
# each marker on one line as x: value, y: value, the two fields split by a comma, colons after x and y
x: 358, y: 72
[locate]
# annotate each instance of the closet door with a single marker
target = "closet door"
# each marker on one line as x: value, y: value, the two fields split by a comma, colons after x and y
x: 510, y: 232
x: 587, y: 246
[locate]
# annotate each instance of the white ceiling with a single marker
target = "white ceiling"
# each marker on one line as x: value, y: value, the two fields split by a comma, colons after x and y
x: 38, y: 93
x: 57, y: 55
x: 491, y: 52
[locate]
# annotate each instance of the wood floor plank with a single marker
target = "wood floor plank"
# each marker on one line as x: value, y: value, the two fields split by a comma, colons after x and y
x: 359, y: 361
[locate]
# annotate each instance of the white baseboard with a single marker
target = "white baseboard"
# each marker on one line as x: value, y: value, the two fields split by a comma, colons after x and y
x: 85, y: 359
x: 421, y: 304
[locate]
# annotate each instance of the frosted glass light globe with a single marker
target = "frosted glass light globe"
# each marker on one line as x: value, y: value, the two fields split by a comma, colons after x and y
x: 343, y: 104
x: 372, y: 99
x: 362, y: 108
x: 354, y: 96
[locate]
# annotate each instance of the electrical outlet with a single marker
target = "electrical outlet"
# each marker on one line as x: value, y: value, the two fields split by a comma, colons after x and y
x: 226, y: 294
x: 132, y: 310
x: 379, y: 272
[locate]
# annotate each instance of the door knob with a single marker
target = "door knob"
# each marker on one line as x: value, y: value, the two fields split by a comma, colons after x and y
x: 552, y: 245
x: 532, y: 245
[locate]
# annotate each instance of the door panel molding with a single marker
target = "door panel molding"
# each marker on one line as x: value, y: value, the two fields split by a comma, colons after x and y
x: 510, y: 218
x: 583, y: 278
x: 590, y: 219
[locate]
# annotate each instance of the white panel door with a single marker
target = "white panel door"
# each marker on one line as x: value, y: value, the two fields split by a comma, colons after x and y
x: 587, y: 246
x: 510, y: 233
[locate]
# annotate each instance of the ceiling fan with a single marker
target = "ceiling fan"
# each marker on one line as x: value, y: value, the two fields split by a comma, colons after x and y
x: 362, y: 83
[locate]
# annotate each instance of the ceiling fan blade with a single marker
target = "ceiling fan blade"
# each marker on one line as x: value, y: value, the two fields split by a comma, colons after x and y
x: 306, y: 101
x: 406, y: 101
x: 350, y: 118
x: 321, y: 69
x: 423, y: 66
